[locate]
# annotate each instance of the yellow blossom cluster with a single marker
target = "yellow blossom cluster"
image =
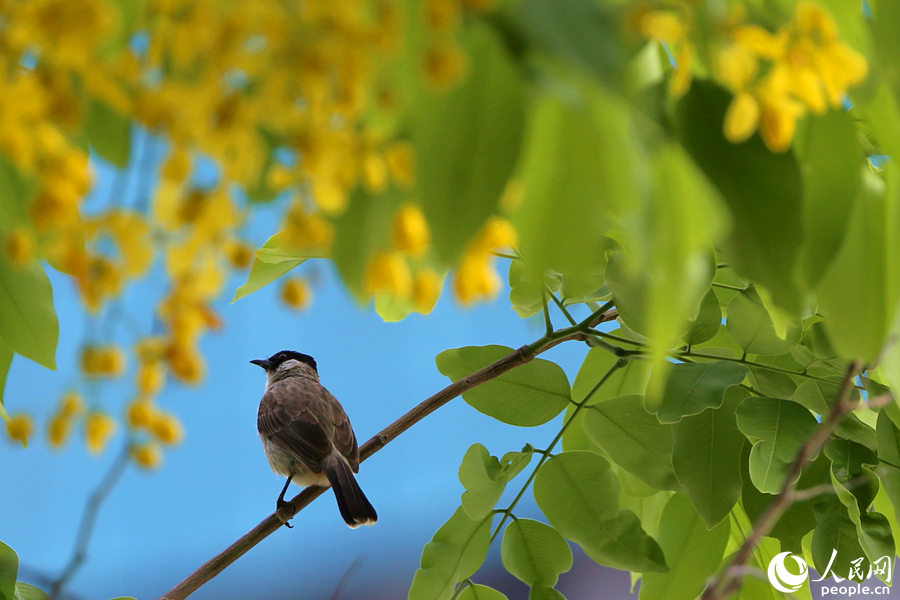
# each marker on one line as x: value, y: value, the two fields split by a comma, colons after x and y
x: 60, y: 426
x: 475, y: 277
x: 19, y: 428
x: 162, y: 428
x: 445, y: 63
x: 401, y: 271
x: 776, y: 78
x: 809, y: 69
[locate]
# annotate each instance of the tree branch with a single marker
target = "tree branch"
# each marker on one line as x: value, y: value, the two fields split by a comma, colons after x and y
x: 728, y: 580
x: 271, y: 523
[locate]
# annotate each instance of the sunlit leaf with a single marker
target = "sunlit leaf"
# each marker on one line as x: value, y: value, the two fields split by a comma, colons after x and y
x: 750, y: 324
x: 633, y: 438
x: 693, y: 387
x: 263, y: 272
x: 781, y: 427
x: 693, y: 552
x: 708, y: 321
x: 535, y: 552
x: 579, y: 495
x: 835, y: 531
x: 28, y: 324
x: 707, y: 457
x: 454, y: 553
x: 485, y: 477
x: 9, y: 569
x: 481, y: 592
x: 526, y: 396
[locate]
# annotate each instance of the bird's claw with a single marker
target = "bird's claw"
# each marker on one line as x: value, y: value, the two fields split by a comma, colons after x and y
x: 279, y: 504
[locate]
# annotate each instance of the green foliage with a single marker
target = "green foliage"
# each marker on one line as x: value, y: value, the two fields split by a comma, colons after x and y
x: 273, y: 260
x: 634, y: 439
x: 528, y: 396
x: 693, y: 387
x: 751, y: 326
x: 6, y: 356
x: 535, y: 553
x: 485, y: 477
x: 467, y: 142
x: 480, y: 592
x: 10, y: 589
x: 780, y: 426
x: 28, y: 324
x: 109, y: 133
x: 693, y: 553
x: 579, y: 494
x: 706, y: 457
x: 453, y: 554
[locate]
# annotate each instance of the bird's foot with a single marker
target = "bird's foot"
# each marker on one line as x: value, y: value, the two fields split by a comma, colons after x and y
x: 279, y: 504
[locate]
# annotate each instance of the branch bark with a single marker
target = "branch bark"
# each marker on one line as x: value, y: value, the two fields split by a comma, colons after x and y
x: 271, y: 523
x: 728, y: 580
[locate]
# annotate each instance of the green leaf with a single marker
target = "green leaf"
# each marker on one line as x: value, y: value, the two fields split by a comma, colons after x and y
x: 454, y: 553
x: 578, y: 151
x: 6, y: 356
x: 851, y: 428
x: 630, y: 379
x: 362, y: 231
x: 481, y: 592
x: 832, y: 163
x: 750, y: 324
x: 816, y: 395
x: 889, y: 452
x: 835, y: 531
x: 772, y: 383
x: 781, y: 426
x: 271, y: 262
x: 15, y: 193
x: 535, y: 552
x: 763, y: 190
x: 526, y: 396
x: 485, y: 477
x: 877, y: 540
x: 634, y: 439
x: 694, y: 387
x: 847, y: 467
x: 581, y: 32
x: 467, y: 142
x: 693, y: 552
x: 25, y: 591
x: 539, y: 592
x: 867, y: 261
x: 579, y: 494
x: 707, y: 458
x: 109, y: 133
x: 28, y: 322
x: 709, y: 319
x: 9, y: 569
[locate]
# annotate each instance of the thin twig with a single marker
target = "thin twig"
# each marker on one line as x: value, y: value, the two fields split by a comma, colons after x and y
x: 89, y: 518
x: 345, y: 579
x: 728, y: 580
x: 562, y: 308
x: 271, y: 523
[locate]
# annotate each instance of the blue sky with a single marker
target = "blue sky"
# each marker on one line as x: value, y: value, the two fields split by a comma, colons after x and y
x: 159, y: 526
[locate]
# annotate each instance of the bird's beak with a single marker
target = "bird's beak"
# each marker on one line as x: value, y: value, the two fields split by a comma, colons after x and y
x: 262, y: 362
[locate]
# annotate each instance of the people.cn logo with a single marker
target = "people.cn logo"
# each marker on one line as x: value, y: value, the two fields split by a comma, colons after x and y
x: 782, y: 579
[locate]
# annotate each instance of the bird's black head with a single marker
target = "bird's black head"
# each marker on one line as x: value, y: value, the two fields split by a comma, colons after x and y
x: 274, y: 361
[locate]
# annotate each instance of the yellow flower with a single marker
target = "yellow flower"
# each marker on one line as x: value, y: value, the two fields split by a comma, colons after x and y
x: 20, y: 246
x: 150, y: 349
x: 741, y: 118
x: 761, y: 42
x: 442, y: 15
x: 151, y: 377
x: 661, y: 25
x: 681, y: 81
x: 58, y: 430
x: 147, y: 456
x: 295, y: 293
x: 167, y: 429
x: 71, y: 404
x: 98, y: 428
x: 240, y: 255
x: 177, y: 165
x: 140, y: 413
x: 495, y: 234
x: 401, y: 162
x: 330, y: 196
x: 410, y: 232
x: 389, y: 272
x: 280, y: 177
x: 426, y: 289
x: 307, y: 231
x: 19, y: 428
x: 186, y: 364
x: 102, y: 361
x: 475, y: 279
x: 736, y: 65
x: 374, y: 172
x: 445, y: 64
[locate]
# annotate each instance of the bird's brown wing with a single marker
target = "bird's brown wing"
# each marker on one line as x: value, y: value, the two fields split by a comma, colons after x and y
x: 292, y: 413
x: 343, y: 437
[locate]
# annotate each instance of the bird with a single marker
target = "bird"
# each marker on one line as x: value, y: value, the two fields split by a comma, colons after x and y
x: 307, y: 436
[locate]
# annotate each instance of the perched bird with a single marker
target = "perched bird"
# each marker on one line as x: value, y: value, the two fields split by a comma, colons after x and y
x: 307, y: 436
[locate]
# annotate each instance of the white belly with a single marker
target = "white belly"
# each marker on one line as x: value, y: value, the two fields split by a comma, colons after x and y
x: 285, y: 463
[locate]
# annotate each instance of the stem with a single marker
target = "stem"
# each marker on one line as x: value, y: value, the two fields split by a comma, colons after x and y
x: 562, y: 307
x: 725, y: 286
x: 270, y: 524
x: 89, y: 518
x: 728, y: 580
x: 508, y: 511
x: 547, y: 323
x: 744, y: 361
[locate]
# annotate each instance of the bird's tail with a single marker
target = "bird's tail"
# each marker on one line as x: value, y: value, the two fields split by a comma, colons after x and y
x: 353, y: 504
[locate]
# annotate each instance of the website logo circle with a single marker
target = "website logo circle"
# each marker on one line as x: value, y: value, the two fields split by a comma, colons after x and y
x: 782, y: 579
